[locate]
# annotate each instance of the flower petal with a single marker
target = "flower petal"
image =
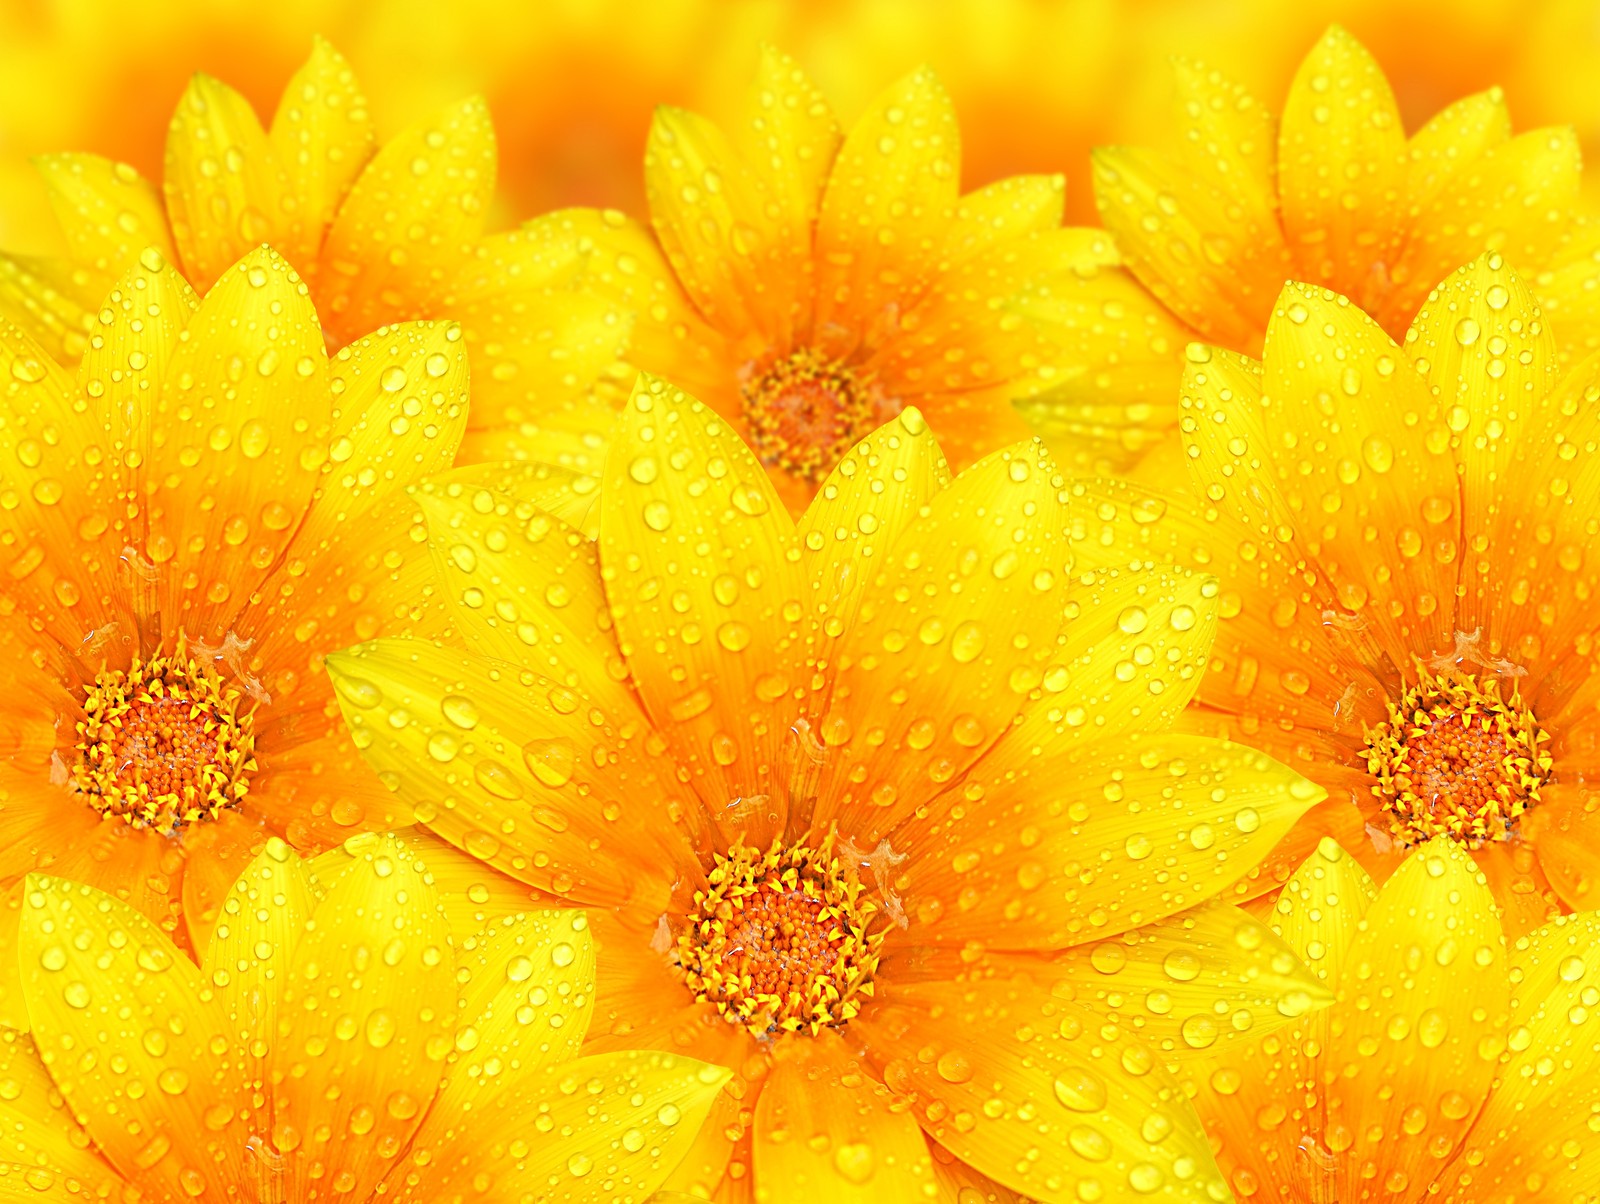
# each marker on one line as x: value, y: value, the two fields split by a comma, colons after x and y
x: 224, y: 186
x: 41, y: 1145
x: 53, y: 301
x: 321, y: 137
x: 1034, y: 1093
x: 891, y: 191
x: 1084, y: 843
x: 1341, y: 165
x: 1202, y: 981
x: 365, y: 1019
x: 826, y: 1130
x: 624, y: 1121
x: 107, y: 210
x: 243, y: 411
x: 120, y: 1017
x: 693, y: 541
x: 1452, y: 141
x: 1319, y: 910
x: 407, y: 220
x: 474, y: 749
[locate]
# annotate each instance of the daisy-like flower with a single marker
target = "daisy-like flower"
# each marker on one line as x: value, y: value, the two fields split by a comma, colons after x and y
x: 877, y: 809
x: 810, y: 285
x: 191, y: 519
x: 378, y: 234
x: 1405, y: 533
x: 1449, y: 1068
x: 1333, y: 193
x: 352, y: 1031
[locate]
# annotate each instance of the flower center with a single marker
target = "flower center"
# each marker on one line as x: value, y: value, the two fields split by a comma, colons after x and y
x: 805, y: 412
x: 1452, y: 759
x: 779, y: 940
x: 163, y: 744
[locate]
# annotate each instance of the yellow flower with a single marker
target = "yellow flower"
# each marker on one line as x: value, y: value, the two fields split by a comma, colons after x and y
x: 1448, y: 1068
x: 1333, y: 194
x: 378, y: 234
x: 192, y: 518
x: 809, y: 286
x: 877, y: 808
x: 1405, y: 535
x: 346, y: 1035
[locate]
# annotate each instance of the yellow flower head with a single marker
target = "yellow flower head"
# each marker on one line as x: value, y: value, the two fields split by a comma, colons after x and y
x: 1448, y: 1068
x: 1332, y: 193
x: 192, y: 518
x: 879, y: 807
x: 356, y: 1028
x: 378, y: 234
x: 811, y: 285
x: 1404, y: 532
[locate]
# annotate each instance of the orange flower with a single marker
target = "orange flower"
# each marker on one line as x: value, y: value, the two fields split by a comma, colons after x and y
x: 1405, y: 534
x: 877, y: 809
x: 810, y: 285
x: 191, y: 520
x: 1333, y: 194
x: 1448, y: 1068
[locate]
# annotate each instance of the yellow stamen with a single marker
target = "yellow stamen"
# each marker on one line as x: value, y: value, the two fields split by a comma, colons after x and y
x: 163, y: 744
x: 805, y: 412
x: 779, y: 941
x: 1453, y: 759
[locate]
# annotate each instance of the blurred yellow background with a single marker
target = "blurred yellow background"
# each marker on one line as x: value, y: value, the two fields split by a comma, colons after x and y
x: 571, y: 83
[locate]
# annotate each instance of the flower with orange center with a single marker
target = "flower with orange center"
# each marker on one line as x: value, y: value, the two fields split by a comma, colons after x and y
x: 809, y: 285
x: 877, y: 809
x: 378, y: 234
x: 380, y: 1023
x: 1405, y: 534
x: 1448, y: 1068
x: 1333, y: 193
x: 193, y: 517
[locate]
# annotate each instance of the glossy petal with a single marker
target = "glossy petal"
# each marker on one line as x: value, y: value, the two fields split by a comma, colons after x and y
x: 44, y: 1155
x: 108, y: 212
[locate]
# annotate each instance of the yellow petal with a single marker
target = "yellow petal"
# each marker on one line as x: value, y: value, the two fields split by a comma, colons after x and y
x: 365, y: 1019
x: 527, y: 986
x: 322, y: 137
x: 1228, y: 136
x: 224, y: 186
x: 1319, y: 911
x: 891, y: 191
x: 408, y: 221
x: 953, y: 632
x: 1341, y: 385
x: 1538, y: 1126
x: 1491, y: 362
x: 524, y: 586
x: 53, y: 301
x: 44, y: 1155
x: 825, y: 1129
x: 1341, y: 165
x: 1033, y: 1092
x: 869, y: 499
x: 1010, y: 208
x: 1100, y: 855
x: 1452, y: 140
x: 789, y: 138
x: 472, y: 748
x: 584, y: 1132
x: 244, y: 408
x: 120, y: 1017
x: 1203, y: 981
x: 108, y: 211
x: 694, y: 541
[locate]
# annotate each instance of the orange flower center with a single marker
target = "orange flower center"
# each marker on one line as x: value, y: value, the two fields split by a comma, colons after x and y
x: 163, y: 744
x: 779, y: 941
x: 1453, y: 759
x: 805, y: 412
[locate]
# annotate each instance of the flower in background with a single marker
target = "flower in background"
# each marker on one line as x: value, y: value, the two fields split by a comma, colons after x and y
x: 336, y: 1040
x: 879, y: 808
x: 1448, y: 1068
x: 378, y: 234
x: 194, y: 516
x: 811, y: 285
x: 1333, y: 194
x: 1406, y: 537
